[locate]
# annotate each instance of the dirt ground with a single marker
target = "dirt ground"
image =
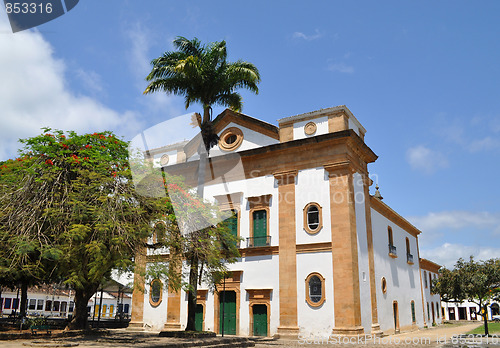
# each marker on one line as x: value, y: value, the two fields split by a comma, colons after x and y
x: 440, y: 336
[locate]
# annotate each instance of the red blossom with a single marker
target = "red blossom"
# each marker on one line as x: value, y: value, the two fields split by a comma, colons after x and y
x: 49, y: 161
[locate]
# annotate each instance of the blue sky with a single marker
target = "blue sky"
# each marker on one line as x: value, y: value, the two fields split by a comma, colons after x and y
x: 421, y: 76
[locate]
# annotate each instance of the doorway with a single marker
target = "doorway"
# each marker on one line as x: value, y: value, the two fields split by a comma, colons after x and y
x: 198, y: 319
x: 396, y: 316
x: 227, y: 302
x: 259, y: 320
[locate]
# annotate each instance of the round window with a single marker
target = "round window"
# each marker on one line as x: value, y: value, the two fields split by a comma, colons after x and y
x: 230, y: 139
x: 164, y: 160
x: 312, y: 218
x: 155, y: 293
x: 315, y: 290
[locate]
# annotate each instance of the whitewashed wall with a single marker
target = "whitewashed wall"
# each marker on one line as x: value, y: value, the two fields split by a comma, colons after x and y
x: 403, y: 280
x: 315, y: 322
x: 312, y: 186
x: 321, y: 124
x: 432, y: 298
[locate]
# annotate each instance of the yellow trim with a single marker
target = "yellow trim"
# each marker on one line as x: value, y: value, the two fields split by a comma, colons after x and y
x: 323, y: 295
x: 151, y: 302
x: 224, y: 146
x: 306, y: 223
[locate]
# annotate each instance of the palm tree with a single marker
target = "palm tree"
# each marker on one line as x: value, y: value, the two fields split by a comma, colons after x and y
x: 202, y: 74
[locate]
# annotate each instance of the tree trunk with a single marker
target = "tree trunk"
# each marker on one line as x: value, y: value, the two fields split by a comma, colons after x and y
x: 485, y: 318
x: 24, y: 299
x: 82, y: 297
x: 193, y: 289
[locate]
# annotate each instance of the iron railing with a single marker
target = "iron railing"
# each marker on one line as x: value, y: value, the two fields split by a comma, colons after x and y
x: 253, y: 242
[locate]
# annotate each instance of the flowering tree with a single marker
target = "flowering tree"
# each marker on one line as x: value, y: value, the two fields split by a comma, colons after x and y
x: 208, y: 241
x: 69, y: 211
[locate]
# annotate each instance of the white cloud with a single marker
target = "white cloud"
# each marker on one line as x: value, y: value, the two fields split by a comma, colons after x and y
x: 299, y: 35
x: 485, y: 144
x: 448, y: 254
x: 426, y: 160
x: 341, y: 67
x: 91, y: 80
x: 34, y: 93
x: 457, y: 220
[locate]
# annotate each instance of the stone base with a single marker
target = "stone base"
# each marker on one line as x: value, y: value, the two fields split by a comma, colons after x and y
x: 172, y: 327
x: 348, y: 331
x: 136, y: 325
x: 287, y: 333
x: 376, y: 330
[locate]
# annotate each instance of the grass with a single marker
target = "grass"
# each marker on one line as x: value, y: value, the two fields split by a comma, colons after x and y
x: 493, y: 328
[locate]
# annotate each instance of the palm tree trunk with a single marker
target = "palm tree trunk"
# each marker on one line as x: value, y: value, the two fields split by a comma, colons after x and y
x: 192, y: 293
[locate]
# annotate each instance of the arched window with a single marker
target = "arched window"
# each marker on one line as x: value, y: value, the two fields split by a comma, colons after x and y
x: 312, y: 218
x: 384, y: 285
x: 409, y: 256
x: 155, y: 292
x: 392, y: 247
x: 315, y: 289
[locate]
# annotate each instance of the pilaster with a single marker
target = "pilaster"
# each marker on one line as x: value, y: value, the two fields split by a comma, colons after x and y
x: 288, y: 327
x: 346, y: 291
x: 375, y: 330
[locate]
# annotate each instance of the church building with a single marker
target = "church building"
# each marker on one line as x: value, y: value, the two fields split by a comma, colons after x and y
x: 320, y: 255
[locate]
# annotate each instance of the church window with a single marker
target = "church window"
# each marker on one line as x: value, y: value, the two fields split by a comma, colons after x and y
x: 315, y: 289
x: 155, y: 292
x: 392, y: 247
x: 230, y: 139
x: 384, y: 285
x: 312, y: 218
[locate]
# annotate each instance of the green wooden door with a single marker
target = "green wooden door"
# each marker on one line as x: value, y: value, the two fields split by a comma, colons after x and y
x: 229, y: 312
x: 232, y: 224
x: 198, y: 319
x: 259, y: 320
x: 259, y: 228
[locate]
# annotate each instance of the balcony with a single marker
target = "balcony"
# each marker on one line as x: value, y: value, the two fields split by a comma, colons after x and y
x: 409, y: 258
x: 253, y: 242
x: 392, y: 251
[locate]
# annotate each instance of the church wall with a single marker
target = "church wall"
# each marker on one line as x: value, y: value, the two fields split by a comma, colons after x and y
x: 315, y: 321
x: 321, y: 124
x: 403, y: 279
x: 312, y: 186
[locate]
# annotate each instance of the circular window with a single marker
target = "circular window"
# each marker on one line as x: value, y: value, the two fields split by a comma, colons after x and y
x: 230, y: 139
x: 164, y: 160
x: 384, y: 285
x: 310, y: 128
x: 312, y: 218
x: 155, y: 293
x: 315, y: 289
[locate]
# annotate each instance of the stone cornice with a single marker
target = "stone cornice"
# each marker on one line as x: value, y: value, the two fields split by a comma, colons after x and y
x: 386, y: 211
x: 429, y: 265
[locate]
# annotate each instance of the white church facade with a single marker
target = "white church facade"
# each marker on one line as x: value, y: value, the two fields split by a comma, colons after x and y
x: 319, y: 255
